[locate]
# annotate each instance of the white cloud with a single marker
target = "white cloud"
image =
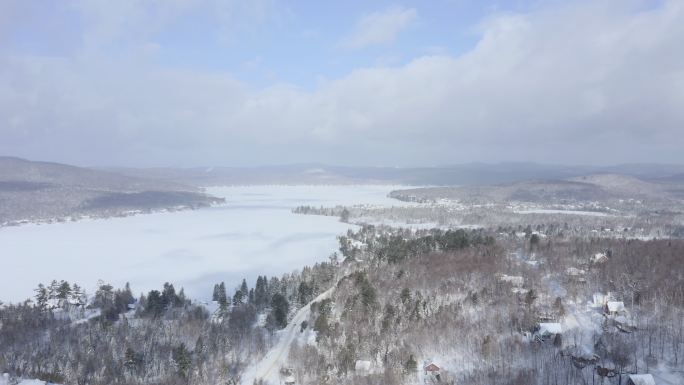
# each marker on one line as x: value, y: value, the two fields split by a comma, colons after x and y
x: 379, y: 27
x: 573, y: 84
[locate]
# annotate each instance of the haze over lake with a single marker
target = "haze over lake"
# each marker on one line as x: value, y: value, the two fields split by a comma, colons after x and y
x: 254, y: 233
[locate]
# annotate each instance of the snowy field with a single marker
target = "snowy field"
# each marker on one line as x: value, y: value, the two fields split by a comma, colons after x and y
x: 254, y: 233
x: 568, y: 212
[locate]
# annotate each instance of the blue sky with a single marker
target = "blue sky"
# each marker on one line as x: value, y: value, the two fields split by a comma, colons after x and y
x: 294, y: 42
x: 200, y: 82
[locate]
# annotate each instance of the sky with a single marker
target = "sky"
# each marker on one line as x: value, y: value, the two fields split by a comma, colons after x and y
x: 379, y: 83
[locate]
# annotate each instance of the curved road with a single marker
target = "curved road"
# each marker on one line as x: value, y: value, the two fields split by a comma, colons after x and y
x: 268, y: 368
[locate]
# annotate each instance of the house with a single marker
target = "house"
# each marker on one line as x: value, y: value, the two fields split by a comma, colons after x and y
x: 549, y: 329
x: 641, y: 379
x: 615, y: 308
x: 599, y: 258
x: 431, y: 368
x: 362, y: 366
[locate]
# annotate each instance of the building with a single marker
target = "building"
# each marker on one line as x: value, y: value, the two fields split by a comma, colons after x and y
x: 615, y: 308
x: 431, y: 369
x: 549, y: 329
x: 641, y: 379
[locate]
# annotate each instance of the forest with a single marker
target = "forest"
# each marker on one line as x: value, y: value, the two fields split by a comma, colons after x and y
x: 474, y: 303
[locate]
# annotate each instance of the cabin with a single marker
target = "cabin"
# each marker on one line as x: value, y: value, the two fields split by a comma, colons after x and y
x: 431, y: 369
x: 640, y: 379
x: 599, y: 258
x: 615, y: 308
x: 549, y: 329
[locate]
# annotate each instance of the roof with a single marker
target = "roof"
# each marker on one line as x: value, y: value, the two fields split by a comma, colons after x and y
x: 550, y: 328
x: 615, y: 306
x: 642, y: 379
x: 289, y: 380
x: 431, y: 367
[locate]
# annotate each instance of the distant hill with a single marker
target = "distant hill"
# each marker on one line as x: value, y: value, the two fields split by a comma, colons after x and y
x: 464, y: 174
x: 39, y: 191
x: 587, y: 188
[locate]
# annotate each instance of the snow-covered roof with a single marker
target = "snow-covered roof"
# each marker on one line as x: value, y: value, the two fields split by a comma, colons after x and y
x: 642, y: 379
x: 550, y: 328
x: 289, y: 380
x: 615, y: 306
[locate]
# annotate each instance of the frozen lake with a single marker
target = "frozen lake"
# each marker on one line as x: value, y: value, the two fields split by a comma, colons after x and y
x: 255, y: 233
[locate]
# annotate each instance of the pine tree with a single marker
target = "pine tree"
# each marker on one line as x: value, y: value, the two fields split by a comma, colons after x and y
x: 64, y: 290
x: 154, y: 305
x: 52, y: 289
x: 222, y: 297
x: 41, y: 296
x: 241, y: 294
x: 279, y: 310
x: 77, y: 296
x: 182, y: 360
x: 215, y: 294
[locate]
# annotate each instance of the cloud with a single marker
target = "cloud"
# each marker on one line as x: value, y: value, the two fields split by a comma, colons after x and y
x: 379, y: 27
x: 587, y: 82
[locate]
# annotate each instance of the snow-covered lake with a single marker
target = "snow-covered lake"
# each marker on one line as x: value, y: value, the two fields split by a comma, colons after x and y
x: 255, y: 233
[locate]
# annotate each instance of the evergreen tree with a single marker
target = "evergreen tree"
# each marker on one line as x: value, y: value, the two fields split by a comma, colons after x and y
x: 154, y: 304
x: 182, y: 359
x: 64, y: 290
x: 279, y: 310
x: 52, y: 289
x: 411, y: 365
x: 222, y: 297
x: 241, y: 294
x: 215, y: 294
x: 169, y: 297
x: 41, y: 296
x: 261, y: 292
x: 78, y: 296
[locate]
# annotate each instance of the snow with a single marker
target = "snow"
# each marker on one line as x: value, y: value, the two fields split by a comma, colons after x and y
x: 570, y: 212
x: 268, y: 368
x: 5, y: 380
x: 254, y: 233
x: 550, y: 328
x: 514, y: 280
x: 362, y: 366
x: 642, y: 379
x: 615, y: 306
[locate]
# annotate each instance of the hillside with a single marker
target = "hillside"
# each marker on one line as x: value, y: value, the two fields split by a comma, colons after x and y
x: 588, y: 188
x: 41, y: 191
x: 449, y: 175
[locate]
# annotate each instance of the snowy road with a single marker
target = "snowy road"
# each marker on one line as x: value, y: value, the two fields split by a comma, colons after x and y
x: 268, y: 368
